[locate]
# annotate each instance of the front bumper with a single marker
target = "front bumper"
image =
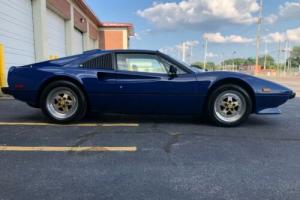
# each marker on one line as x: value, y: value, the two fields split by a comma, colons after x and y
x: 6, y: 90
x: 292, y: 96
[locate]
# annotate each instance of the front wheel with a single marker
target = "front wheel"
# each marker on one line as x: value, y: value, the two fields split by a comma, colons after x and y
x: 63, y: 102
x: 229, y: 105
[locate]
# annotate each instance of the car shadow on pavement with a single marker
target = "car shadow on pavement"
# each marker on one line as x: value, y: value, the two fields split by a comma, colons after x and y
x: 13, y: 111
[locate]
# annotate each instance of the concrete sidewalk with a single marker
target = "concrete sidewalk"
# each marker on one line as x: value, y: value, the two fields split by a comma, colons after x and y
x: 4, y: 96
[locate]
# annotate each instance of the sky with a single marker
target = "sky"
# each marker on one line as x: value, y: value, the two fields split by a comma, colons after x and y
x: 229, y: 26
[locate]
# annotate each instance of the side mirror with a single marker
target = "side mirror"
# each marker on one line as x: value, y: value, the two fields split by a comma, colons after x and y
x: 172, y: 71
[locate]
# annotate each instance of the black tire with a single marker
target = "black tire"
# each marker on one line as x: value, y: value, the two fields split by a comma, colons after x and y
x: 236, y: 90
x: 81, y: 106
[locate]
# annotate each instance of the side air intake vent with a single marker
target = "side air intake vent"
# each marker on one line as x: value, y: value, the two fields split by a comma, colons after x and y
x: 100, y: 62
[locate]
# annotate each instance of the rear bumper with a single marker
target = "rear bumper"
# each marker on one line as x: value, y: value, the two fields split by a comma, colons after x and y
x: 6, y: 90
x: 292, y: 96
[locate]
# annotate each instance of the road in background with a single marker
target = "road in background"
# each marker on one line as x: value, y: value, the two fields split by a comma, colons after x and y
x: 292, y: 82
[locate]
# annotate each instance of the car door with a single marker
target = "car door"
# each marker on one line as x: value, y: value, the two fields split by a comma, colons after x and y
x: 144, y: 86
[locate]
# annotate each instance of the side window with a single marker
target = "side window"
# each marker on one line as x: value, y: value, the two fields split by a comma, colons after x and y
x: 168, y: 64
x: 140, y: 63
x: 99, y: 62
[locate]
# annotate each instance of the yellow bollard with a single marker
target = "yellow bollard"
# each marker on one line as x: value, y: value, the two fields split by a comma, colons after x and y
x: 2, y: 67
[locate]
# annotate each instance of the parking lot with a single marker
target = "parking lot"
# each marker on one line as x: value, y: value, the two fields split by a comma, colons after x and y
x: 148, y: 157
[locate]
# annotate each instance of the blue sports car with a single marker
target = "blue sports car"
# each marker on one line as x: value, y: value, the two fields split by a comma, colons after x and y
x: 141, y: 82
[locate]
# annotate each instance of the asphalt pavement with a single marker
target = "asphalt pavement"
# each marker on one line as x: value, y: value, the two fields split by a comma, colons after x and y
x: 165, y: 157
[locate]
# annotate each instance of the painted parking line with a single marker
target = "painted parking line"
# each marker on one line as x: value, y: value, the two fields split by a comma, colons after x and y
x: 120, y: 124
x: 74, y: 125
x: 66, y: 149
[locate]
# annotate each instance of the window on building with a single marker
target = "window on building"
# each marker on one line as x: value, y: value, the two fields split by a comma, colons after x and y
x: 140, y: 63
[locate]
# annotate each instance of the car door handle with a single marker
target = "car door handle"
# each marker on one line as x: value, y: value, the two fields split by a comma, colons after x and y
x: 105, y: 76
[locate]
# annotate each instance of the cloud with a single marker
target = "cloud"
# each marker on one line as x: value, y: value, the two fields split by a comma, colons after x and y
x: 271, y: 19
x: 290, y: 10
x: 211, y: 55
x: 292, y: 35
x: 191, y: 43
x: 275, y: 37
x: 136, y: 36
x: 140, y: 35
x: 176, y: 50
x: 219, y: 38
x: 200, y: 14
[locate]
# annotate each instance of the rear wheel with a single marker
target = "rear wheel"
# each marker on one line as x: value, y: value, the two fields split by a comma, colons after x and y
x: 63, y: 102
x: 229, y: 105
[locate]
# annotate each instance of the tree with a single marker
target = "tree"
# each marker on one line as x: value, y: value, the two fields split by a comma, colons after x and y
x: 295, y: 56
x: 209, y: 65
x: 235, y: 61
x: 270, y: 62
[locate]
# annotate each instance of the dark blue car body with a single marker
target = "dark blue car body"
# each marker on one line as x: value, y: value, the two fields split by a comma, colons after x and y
x: 116, y: 91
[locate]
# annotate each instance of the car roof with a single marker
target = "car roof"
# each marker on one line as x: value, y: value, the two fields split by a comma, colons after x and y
x: 134, y: 51
x: 120, y: 51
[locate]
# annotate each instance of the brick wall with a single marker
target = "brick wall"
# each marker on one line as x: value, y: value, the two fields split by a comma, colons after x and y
x: 111, y: 39
x: 61, y: 7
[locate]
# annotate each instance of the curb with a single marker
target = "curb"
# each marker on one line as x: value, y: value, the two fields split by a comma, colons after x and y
x: 5, y: 97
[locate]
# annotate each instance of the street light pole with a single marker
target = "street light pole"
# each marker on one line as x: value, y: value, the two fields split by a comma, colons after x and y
x: 233, y: 57
x: 205, y: 53
x: 266, y: 52
x: 183, y: 51
x: 258, y: 34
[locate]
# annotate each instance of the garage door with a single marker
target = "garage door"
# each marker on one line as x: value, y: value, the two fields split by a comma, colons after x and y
x: 93, y: 44
x: 78, y: 42
x: 16, y: 32
x: 56, y: 34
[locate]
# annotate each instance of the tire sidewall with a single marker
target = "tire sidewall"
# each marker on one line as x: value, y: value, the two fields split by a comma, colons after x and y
x: 82, y: 105
x: 213, y: 98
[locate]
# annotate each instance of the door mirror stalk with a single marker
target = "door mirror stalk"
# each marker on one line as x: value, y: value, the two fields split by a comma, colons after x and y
x: 172, y: 71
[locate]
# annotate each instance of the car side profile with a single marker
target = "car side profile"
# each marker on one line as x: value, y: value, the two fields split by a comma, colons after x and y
x: 141, y: 82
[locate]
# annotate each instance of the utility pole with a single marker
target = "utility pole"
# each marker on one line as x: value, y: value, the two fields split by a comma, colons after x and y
x: 285, y: 56
x: 290, y: 53
x: 258, y: 34
x: 266, y: 52
x: 222, y: 62
x: 233, y: 63
x: 183, y: 51
x: 191, y: 55
x: 278, y: 57
x: 205, y: 53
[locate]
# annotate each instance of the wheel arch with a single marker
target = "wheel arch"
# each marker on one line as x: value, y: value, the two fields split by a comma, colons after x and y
x: 61, y: 78
x: 235, y: 81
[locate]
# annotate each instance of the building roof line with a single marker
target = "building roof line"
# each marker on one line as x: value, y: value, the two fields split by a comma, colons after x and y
x: 90, y: 13
x: 129, y: 26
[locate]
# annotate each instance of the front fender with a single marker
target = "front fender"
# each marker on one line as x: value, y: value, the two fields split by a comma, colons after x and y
x: 266, y: 94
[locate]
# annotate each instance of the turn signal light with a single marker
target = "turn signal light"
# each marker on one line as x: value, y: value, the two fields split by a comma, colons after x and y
x: 266, y: 90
